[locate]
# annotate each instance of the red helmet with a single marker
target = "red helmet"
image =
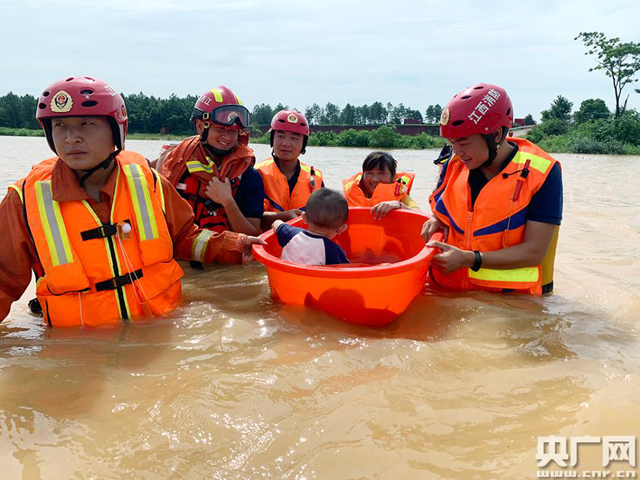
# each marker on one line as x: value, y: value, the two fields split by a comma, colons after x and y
x: 290, y: 121
x: 482, y: 108
x: 221, y: 106
x: 83, y: 96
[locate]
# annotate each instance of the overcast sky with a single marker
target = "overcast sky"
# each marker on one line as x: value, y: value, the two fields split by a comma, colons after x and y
x: 300, y: 52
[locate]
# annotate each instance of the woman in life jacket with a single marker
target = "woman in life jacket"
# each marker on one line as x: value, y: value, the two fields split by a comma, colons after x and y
x: 213, y: 170
x: 380, y: 186
x: 288, y: 182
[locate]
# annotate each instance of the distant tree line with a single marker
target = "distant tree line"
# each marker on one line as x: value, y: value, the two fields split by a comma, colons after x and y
x: 150, y: 114
x: 331, y: 114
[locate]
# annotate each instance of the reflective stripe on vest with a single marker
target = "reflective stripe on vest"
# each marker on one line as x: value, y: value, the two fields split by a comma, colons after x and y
x: 539, y: 163
x: 156, y: 175
x: 141, y: 197
x: 194, y: 166
x: 54, y: 228
x: 515, y: 275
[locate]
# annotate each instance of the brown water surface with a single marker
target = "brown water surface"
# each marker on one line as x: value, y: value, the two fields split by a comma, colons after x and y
x: 233, y: 386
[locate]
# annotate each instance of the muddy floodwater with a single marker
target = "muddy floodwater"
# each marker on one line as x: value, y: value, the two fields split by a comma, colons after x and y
x: 235, y: 386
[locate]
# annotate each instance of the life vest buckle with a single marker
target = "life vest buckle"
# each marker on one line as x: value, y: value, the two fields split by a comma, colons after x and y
x: 103, y: 231
x: 119, y: 281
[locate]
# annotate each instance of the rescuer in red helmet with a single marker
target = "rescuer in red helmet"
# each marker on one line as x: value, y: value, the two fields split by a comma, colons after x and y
x: 498, y: 200
x: 288, y: 182
x: 213, y: 170
x: 99, y: 228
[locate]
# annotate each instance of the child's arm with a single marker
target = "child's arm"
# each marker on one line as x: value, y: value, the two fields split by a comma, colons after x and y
x: 276, y: 224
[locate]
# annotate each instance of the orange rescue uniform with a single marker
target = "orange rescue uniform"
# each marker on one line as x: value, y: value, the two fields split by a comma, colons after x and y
x: 277, y: 196
x: 101, y: 262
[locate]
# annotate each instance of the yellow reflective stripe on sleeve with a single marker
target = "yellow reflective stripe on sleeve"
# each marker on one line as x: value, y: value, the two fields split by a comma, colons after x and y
x: 195, y: 166
x: 141, y: 199
x: 525, y: 274
x: 19, y: 190
x: 217, y: 94
x: 305, y: 168
x: 199, y: 246
x: 539, y: 163
x: 159, y: 186
x: 54, y: 228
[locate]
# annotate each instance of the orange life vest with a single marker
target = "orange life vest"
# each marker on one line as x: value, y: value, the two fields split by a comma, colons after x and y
x: 190, y: 169
x: 277, y: 197
x: 384, y: 192
x: 496, y: 221
x: 94, y: 274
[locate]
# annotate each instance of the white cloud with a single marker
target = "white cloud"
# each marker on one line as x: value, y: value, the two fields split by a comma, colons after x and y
x: 301, y: 52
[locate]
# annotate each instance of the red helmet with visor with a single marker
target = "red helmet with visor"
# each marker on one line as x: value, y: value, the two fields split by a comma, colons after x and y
x: 222, y: 107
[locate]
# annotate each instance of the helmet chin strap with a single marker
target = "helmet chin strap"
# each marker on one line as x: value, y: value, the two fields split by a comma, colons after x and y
x: 104, y: 164
x: 216, y: 152
x: 493, y: 146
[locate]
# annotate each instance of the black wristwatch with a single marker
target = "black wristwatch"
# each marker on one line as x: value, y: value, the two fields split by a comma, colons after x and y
x: 478, y: 263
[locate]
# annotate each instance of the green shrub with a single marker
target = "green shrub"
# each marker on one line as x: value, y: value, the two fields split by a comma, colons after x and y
x: 582, y: 144
x: 383, y: 137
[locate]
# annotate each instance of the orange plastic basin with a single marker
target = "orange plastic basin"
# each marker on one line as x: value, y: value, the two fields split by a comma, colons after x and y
x: 374, y: 294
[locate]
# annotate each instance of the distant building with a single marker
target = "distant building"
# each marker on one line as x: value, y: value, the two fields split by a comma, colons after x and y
x: 411, y: 121
x: 520, y: 122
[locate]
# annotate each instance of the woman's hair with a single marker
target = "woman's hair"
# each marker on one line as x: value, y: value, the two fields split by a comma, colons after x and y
x: 380, y: 160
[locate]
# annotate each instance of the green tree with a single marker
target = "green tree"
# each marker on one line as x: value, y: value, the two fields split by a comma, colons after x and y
x: 528, y: 120
x: 377, y: 113
x: 331, y: 114
x: 619, y: 60
x: 591, y: 110
x: 437, y: 112
x: 348, y: 115
x: 428, y: 115
x: 415, y: 114
x: 314, y: 113
x: 262, y: 114
x: 627, y: 127
x: 398, y: 114
x: 560, y: 109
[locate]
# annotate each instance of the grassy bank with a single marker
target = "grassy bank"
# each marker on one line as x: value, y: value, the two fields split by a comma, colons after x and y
x: 20, y: 132
x: 383, y: 137
x: 590, y: 139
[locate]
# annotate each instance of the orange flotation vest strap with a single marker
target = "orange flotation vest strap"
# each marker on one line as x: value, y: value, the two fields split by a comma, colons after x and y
x: 278, y: 197
x: 384, y: 192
